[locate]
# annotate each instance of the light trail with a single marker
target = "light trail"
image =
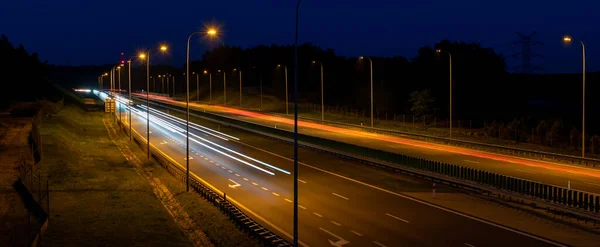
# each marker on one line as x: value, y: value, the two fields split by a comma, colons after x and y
x: 194, y: 125
x: 229, y: 150
x: 179, y: 131
x: 393, y: 139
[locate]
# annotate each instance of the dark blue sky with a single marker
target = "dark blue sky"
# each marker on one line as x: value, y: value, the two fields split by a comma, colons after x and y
x: 77, y: 32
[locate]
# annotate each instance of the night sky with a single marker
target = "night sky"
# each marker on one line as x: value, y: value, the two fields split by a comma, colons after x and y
x: 81, y: 32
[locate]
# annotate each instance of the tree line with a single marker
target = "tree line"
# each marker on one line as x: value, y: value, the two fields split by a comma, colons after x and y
x: 484, y: 93
x: 22, y: 75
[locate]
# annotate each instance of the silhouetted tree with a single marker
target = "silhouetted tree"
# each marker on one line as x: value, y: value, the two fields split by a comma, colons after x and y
x: 422, y: 101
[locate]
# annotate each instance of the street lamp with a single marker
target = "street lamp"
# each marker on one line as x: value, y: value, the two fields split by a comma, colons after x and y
x: 240, y: 84
x: 295, y: 240
x: 209, y: 86
x: 211, y: 32
x: 168, y: 92
x: 371, y: 69
x: 102, y: 80
x: 286, y: 88
x: 224, y: 87
x: 322, y: 92
x: 260, y: 82
x: 147, y: 57
x: 197, y: 85
x: 567, y: 40
x: 450, y: 69
x: 119, y: 81
x: 173, y: 84
x: 129, y: 80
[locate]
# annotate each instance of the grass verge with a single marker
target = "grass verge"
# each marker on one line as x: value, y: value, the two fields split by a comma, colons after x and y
x: 97, y: 197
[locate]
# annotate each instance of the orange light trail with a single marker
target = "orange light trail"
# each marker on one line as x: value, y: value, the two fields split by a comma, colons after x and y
x: 393, y: 139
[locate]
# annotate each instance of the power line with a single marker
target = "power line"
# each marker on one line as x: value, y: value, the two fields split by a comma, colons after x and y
x: 526, y: 42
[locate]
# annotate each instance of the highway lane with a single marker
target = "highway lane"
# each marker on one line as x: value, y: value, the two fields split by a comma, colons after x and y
x: 333, y: 208
x: 580, y: 178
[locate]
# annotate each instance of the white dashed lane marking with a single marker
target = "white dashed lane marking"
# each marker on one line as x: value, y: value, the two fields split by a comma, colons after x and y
x: 340, y: 196
x: 398, y: 218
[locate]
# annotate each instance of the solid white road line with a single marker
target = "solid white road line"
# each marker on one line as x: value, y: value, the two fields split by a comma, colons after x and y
x: 319, y: 215
x: 356, y: 233
x: 340, y: 196
x: 379, y: 244
x: 470, y: 161
x: 396, y: 217
x: 335, y: 223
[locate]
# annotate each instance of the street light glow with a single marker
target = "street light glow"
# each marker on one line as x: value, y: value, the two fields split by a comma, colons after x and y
x: 361, y: 57
x: 567, y: 39
x: 438, y: 51
x: 205, y: 72
x: 142, y: 55
x: 163, y: 48
x: 279, y: 65
x: 211, y: 32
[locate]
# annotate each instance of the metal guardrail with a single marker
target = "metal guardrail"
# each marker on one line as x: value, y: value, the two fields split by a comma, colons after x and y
x: 526, y: 153
x: 245, y: 223
x: 575, y: 202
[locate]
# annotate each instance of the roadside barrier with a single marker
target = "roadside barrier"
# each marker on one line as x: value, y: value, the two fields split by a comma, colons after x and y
x: 570, y: 200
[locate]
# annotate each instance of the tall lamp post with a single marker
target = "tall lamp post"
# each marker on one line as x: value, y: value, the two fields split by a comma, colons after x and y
x: 240, y: 84
x: 102, y: 80
x: 129, y: 92
x: 187, y: 108
x: 260, y: 83
x: 224, y: 87
x: 147, y: 57
x: 371, y: 69
x: 322, y: 92
x: 209, y: 86
x: 197, y: 85
x: 168, y: 93
x: 162, y: 84
x: 295, y: 242
x: 119, y: 81
x: 286, y: 88
x: 450, y: 78
x: 567, y: 40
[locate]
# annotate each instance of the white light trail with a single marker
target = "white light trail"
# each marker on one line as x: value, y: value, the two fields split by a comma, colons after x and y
x: 229, y: 150
x: 178, y: 130
x: 192, y: 124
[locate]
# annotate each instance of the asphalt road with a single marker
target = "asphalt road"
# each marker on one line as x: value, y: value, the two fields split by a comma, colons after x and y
x: 333, y: 210
x: 580, y: 178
